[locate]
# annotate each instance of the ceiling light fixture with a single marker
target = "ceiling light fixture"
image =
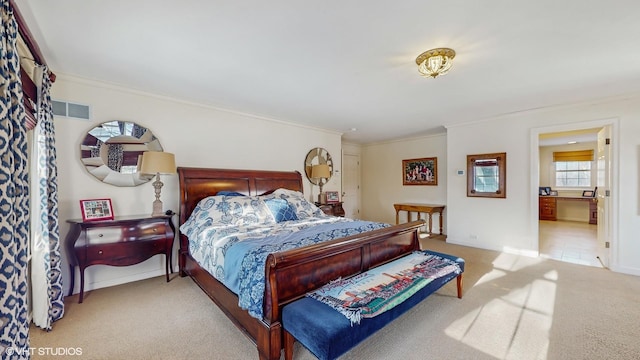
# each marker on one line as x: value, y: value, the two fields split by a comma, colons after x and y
x: 435, y: 62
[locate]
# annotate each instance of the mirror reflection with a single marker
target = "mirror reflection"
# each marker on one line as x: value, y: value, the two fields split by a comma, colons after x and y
x: 318, y: 156
x: 111, y: 152
x: 486, y: 175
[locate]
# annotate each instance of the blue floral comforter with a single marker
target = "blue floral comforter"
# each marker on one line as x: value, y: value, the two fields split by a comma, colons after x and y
x: 236, y: 255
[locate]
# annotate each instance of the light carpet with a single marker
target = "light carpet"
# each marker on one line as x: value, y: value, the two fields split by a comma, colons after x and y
x: 514, y: 307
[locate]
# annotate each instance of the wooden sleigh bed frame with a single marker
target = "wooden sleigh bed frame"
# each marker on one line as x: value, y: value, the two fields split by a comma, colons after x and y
x: 289, y: 274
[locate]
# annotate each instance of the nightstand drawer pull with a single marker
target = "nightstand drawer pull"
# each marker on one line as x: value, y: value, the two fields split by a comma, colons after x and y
x: 100, y: 252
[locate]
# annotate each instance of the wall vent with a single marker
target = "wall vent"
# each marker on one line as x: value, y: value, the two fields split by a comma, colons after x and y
x: 78, y: 111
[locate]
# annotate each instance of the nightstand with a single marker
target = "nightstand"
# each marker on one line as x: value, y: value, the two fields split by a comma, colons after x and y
x: 332, y: 209
x: 124, y: 241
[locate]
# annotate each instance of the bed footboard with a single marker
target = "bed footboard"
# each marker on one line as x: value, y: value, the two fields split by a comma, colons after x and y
x: 293, y: 273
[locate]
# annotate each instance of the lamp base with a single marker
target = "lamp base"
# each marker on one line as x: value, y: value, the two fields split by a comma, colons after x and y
x: 321, y: 199
x: 157, y: 209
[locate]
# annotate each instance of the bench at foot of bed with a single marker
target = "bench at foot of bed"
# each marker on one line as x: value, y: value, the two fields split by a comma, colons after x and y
x: 328, y: 334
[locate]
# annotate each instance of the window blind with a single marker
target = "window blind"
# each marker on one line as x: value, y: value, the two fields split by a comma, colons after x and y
x: 579, y: 155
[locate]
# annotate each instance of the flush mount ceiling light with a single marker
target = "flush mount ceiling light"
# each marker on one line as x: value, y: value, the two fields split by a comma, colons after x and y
x: 435, y: 62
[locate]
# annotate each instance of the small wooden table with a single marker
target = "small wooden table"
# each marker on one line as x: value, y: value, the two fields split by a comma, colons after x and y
x: 124, y: 241
x: 429, y: 209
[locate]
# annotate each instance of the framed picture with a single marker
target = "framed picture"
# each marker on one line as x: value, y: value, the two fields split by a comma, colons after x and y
x: 96, y: 209
x: 544, y: 191
x: 420, y: 171
x: 588, y: 193
x: 331, y: 197
x: 553, y: 192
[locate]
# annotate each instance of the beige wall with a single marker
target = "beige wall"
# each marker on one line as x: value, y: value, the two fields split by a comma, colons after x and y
x: 382, y: 176
x: 510, y: 224
x: 199, y: 136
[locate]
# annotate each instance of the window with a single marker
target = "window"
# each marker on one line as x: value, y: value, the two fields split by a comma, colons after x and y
x: 573, y: 173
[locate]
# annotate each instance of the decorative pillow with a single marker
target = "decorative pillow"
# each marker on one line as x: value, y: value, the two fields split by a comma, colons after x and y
x: 227, y: 210
x: 304, y: 209
x: 230, y: 193
x: 281, y: 209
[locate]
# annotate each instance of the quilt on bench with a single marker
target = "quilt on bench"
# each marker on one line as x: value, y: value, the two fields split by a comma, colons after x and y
x: 375, y: 291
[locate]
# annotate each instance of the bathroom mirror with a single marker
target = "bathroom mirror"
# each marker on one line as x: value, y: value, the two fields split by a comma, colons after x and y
x: 487, y: 175
x: 110, y: 152
x: 317, y: 156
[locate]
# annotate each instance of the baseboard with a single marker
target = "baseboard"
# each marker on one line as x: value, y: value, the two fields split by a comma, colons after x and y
x: 119, y: 281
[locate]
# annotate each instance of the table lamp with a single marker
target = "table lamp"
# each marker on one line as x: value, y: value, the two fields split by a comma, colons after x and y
x: 158, y: 162
x: 321, y: 172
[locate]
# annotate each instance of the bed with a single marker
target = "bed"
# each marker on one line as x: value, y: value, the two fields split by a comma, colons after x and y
x: 289, y: 274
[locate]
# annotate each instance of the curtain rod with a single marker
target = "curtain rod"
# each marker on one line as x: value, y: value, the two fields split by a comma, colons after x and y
x: 28, y: 38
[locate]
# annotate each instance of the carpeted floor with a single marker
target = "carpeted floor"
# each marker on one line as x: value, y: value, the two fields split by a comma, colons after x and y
x: 514, y: 307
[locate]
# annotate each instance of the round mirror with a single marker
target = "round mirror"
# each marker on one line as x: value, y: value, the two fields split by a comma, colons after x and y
x: 111, y: 152
x: 318, y: 156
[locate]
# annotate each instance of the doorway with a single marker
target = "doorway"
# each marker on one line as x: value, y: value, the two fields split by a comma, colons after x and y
x: 571, y: 238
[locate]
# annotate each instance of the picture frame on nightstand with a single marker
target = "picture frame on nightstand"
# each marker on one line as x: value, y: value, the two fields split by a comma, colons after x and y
x: 96, y: 209
x: 331, y: 197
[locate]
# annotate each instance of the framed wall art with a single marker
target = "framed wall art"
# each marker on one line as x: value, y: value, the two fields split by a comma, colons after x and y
x: 96, y: 209
x: 422, y: 171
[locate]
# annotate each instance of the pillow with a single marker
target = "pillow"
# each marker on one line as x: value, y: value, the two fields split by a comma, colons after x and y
x: 304, y: 209
x: 227, y: 210
x: 281, y: 209
x: 230, y: 193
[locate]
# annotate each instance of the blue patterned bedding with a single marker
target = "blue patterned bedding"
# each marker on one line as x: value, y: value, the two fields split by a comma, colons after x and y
x: 236, y: 254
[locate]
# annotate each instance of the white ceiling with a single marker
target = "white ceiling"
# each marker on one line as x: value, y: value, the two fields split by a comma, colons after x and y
x: 349, y: 64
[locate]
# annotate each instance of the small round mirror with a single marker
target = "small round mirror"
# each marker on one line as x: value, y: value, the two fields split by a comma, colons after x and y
x: 111, y: 152
x: 318, y: 156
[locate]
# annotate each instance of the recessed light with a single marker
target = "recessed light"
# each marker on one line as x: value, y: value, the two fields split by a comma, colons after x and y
x: 572, y: 142
x: 354, y: 129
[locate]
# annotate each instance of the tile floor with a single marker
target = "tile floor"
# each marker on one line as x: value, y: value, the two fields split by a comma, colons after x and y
x: 569, y: 241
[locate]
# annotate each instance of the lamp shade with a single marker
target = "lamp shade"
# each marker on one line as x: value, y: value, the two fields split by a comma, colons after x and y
x: 158, y: 162
x: 320, y: 171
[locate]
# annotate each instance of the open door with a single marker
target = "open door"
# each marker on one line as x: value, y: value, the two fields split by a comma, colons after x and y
x: 603, y: 168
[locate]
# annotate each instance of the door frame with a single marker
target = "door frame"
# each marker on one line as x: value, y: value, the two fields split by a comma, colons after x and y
x: 358, y: 179
x: 614, y: 168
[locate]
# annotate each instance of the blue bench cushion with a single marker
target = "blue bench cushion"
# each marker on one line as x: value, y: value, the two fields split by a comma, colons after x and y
x: 328, y: 334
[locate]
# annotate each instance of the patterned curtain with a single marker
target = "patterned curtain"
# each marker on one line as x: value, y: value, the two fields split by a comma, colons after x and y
x: 115, y: 154
x: 46, y: 276
x: 14, y: 197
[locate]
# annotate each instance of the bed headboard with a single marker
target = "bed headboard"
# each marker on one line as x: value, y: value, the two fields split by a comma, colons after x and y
x: 198, y: 183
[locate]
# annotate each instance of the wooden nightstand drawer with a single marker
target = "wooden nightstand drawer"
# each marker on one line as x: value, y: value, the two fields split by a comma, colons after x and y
x: 148, y: 231
x: 118, y: 255
x: 104, y: 235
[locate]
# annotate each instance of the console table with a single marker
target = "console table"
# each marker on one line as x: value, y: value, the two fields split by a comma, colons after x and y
x: 429, y: 209
x: 123, y: 241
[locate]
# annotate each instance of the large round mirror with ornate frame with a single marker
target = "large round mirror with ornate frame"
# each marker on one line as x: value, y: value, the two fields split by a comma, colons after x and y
x: 111, y: 152
x: 318, y: 156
